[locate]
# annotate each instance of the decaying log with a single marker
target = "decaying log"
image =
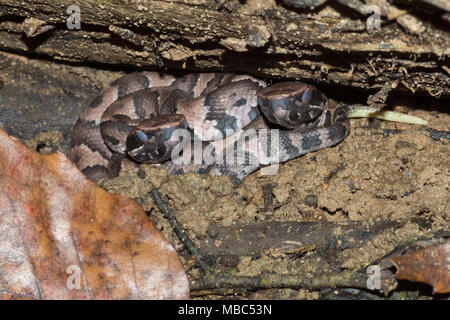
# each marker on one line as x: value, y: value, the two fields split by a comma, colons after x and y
x: 266, y: 40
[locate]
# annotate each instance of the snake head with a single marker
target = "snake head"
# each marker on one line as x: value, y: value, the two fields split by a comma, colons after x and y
x: 151, y: 141
x: 291, y: 104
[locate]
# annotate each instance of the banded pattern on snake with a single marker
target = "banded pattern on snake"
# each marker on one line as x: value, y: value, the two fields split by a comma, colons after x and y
x: 135, y: 118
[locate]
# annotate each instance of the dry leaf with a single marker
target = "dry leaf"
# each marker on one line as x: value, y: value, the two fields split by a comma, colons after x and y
x: 62, y: 237
x: 430, y: 265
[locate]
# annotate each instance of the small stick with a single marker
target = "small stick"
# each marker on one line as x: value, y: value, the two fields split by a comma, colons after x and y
x: 367, y: 112
x: 345, y: 279
x: 179, y: 230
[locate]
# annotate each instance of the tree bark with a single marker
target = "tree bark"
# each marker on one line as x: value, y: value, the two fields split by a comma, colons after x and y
x: 270, y: 42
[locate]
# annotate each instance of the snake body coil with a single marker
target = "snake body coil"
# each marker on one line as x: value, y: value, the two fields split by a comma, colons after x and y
x: 134, y: 119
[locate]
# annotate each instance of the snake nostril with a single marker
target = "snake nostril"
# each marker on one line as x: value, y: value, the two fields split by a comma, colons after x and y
x: 296, y: 115
x: 158, y: 152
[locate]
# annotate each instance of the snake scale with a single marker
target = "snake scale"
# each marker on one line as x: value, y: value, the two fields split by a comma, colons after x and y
x: 134, y: 119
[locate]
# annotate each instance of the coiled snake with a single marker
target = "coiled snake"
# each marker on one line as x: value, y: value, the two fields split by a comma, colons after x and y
x: 136, y: 118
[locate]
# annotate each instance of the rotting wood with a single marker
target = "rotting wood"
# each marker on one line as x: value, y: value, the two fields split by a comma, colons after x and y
x: 269, y: 43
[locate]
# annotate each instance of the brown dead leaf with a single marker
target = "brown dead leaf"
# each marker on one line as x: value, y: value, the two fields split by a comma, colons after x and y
x: 62, y: 237
x: 430, y: 265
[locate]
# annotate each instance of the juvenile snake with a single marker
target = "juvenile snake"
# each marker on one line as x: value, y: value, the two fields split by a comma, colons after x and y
x: 135, y: 118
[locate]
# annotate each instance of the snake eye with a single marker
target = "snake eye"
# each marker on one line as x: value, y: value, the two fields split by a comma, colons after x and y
x: 141, y: 136
x: 306, y: 95
x: 312, y: 96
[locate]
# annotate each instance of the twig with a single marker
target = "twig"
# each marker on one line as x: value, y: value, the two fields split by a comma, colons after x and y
x: 345, y: 279
x: 368, y: 112
x: 179, y: 230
